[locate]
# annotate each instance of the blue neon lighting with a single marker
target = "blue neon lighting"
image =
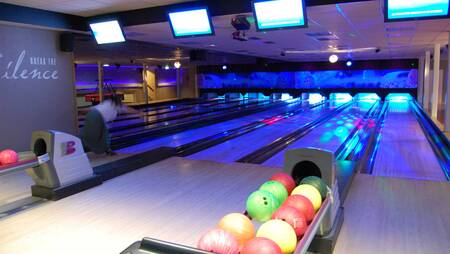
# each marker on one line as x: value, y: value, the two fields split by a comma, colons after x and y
x: 279, y: 14
x: 410, y: 9
x: 191, y: 23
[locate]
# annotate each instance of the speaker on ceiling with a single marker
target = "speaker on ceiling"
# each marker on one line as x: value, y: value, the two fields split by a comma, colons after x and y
x: 66, y: 42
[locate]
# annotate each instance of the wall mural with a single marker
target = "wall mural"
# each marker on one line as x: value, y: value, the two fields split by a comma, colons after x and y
x: 24, y: 66
x: 379, y: 79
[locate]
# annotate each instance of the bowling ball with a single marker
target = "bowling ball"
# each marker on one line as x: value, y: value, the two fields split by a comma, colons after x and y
x: 218, y: 241
x: 8, y: 156
x: 318, y: 183
x: 285, y: 179
x: 281, y: 233
x: 303, y: 204
x: 261, y: 205
x: 277, y: 189
x: 239, y: 225
x: 261, y: 245
x: 311, y: 193
x: 292, y: 216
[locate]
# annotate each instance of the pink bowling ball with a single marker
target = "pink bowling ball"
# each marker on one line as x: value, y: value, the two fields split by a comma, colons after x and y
x: 218, y: 241
x: 8, y: 156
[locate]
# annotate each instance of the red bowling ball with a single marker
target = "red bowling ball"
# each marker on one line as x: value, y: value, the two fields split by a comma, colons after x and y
x: 8, y: 156
x: 261, y: 245
x: 286, y: 180
x: 294, y: 217
x: 302, y: 204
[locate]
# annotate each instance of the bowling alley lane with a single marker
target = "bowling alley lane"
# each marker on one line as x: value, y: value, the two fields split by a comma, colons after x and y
x: 330, y: 135
x: 234, y: 149
x: 187, y: 136
x: 193, y: 110
x: 162, y: 123
x: 404, y: 151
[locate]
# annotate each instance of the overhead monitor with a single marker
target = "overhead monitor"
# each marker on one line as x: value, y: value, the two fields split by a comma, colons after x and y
x: 107, y: 32
x: 191, y: 23
x: 398, y: 10
x: 279, y: 14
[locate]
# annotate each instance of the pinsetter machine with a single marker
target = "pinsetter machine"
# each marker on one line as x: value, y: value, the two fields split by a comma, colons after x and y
x: 323, y: 231
x: 58, y: 166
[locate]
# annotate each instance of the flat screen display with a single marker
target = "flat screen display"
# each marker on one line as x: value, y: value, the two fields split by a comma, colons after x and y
x: 279, y: 14
x: 415, y: 9
x: 107, y: 32
x: 191, y: 23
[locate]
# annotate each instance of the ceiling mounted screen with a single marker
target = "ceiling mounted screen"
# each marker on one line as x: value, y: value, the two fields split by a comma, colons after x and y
x: 398, y: 10
x: 279, y: 14
x: 191, y: 23
x: 107, y: 32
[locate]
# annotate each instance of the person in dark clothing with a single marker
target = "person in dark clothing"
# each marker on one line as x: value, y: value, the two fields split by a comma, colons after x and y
x: 94, y: 134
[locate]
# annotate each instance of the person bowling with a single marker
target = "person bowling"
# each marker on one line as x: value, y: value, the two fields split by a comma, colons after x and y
x: 94, y: 134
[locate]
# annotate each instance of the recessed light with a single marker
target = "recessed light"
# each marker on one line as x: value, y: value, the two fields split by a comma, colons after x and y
x: 333, y: 58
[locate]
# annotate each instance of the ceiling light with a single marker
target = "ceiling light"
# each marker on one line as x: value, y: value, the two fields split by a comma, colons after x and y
x: 106, y: 65
x: 166, y: 67
x: 333, y: 58
x: 177, y: 65
x: 349, y: 63
x: 224, y: 67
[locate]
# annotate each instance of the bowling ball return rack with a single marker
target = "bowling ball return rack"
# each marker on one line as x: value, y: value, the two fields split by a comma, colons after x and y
x: 57, y: 164
x: 322, y: 232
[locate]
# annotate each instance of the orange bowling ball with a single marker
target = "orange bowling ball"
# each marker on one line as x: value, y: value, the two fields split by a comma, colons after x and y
x: 239, y: 225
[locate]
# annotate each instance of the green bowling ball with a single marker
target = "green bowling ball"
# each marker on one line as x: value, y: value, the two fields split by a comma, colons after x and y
x: 318, y: 183
x: 261, y: 205
x: 277, y: 189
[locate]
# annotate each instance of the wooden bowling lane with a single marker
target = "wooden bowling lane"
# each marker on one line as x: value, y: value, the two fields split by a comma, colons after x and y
x: 393, y: 215
x: 404, y: 150
x: 187, y: 136
x: 328, y: 136
x: 175, y: 200
x: 236, y: 148
x: 193, y: 110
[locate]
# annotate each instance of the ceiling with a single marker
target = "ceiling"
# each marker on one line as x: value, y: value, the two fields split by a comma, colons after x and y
x: 87, y: 8
x: 350, y: 25
x: 86, y: 50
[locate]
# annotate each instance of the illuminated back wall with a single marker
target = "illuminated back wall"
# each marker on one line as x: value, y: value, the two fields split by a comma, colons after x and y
x: 351, y: 79
x: 374, y: 75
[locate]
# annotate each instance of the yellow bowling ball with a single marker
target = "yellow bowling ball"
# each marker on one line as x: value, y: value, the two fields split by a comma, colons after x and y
x: 311, y: 193
x: 281, y: 233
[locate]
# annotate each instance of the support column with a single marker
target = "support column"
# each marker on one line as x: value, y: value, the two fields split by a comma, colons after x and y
x: 447, y: 97
x: 426, y: 82
x: 436, y: 76
x: 421, y: 79
x: 144, y: 83
x: 178, y: 83
x: 100, y: 81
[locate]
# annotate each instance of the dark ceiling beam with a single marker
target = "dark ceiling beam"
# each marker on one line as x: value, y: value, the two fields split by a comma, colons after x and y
x: 216, y: 8
x: 37, y: 17
x: 32, y: 16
